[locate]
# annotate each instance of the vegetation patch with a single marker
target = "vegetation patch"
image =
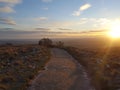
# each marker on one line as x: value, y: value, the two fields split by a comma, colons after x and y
x: 102, y: 65
x: 19, y: 65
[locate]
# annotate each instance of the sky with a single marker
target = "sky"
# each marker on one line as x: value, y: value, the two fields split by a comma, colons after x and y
x: 24, y: 19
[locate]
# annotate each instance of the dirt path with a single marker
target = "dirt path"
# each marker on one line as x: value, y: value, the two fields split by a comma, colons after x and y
x: 62, y: 73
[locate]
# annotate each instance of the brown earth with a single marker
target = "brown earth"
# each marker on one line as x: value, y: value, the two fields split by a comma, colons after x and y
x: 62, y: 72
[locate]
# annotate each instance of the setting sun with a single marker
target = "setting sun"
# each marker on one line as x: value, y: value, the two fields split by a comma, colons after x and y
x: 115, y: 30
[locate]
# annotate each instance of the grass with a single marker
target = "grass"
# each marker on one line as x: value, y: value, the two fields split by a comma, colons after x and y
x: 19, y: 65
x: 102, y: 65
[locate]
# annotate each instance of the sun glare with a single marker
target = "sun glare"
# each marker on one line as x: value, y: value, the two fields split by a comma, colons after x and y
x: 115, y: 30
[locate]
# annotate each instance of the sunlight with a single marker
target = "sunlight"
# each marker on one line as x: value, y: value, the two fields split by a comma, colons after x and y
x: 115, y: 30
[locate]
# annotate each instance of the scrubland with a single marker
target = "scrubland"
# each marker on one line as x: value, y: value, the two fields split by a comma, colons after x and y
x: 101, y: 58
x: 19, y: 64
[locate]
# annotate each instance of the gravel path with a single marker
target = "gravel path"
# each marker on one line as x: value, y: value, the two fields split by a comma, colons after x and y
x: 62, y: 72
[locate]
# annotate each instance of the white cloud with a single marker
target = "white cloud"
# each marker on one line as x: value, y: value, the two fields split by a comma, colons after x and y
x: 91, y: 23
x: 82, y: 21
x: 69, y: 24
x: 76, y: 13
x: 81, y: 9
x: 84, y: 7
x: 7, y: 21
x: 102, y: 22
x: 41, y: 19
x: 64, y: 24
x: 6, y: 9
x: 47, y: 1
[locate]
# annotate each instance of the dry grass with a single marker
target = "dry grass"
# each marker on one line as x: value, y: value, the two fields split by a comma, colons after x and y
x: 19, y: 64
x: 103, y: 65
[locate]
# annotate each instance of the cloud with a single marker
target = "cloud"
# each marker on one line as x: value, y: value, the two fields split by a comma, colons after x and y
x: 46, y: 1
x: 12, y: 33
x: 76, y: 13
x: 80, y: 24
x: 81, y: 9
x: 7, y: 21
x: 64, y: 24
x: 84, y: 7
x: 94, y: 31
x: 41, y: 19
x: 6, y: 29
x: 42, y: 29
x: 82, y: 21
x: 11, y: 1
x: 6, y: 9
x: 64, y: 29
x: 8, y: 5
x: 68, y: 24
x: 45, y: 8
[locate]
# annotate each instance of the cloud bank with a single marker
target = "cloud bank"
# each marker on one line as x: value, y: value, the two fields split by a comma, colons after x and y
x: 7, y: 21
